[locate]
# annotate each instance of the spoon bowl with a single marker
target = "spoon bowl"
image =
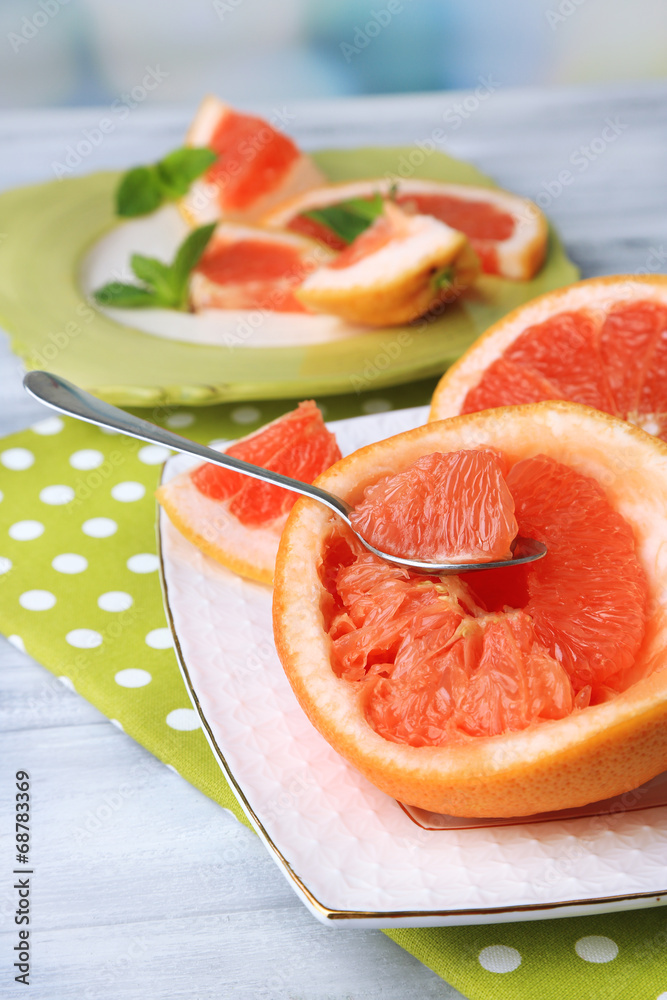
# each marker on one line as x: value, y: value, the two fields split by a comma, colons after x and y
x: 66, y: 398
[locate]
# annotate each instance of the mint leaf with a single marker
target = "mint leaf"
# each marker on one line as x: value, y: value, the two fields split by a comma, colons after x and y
x: 348, y: 219
x: 156, y: 274
x: 143, y: 189
x: 179, y: 169
x: 165, y: 285
x: 139, y: 192
x: 118, y: 295
x: 188, y: 256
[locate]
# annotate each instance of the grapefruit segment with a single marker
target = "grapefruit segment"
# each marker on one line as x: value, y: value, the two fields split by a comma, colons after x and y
x: 493, y: 700
x: 258, y: 166
x: 508, y: 233
x: 443, y: 508
x: 238, y: 520
x: 247, y: 268
x: 602, y: 342
x: 396, y: 270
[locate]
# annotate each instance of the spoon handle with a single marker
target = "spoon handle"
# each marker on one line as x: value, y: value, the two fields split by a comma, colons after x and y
x: 61, y: 395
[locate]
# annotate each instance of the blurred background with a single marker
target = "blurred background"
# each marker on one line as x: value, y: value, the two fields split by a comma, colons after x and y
x: 93, y: 52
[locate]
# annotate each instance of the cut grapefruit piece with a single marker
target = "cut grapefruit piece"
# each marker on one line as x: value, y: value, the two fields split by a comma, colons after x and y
x: 601, y: 342
x: 399, y: 268
x: 443, y: 508
x: 258, y: 166
x: 238, y: 520
x: 245, y: 267
x: 504, y: 692
x: 508, y: 233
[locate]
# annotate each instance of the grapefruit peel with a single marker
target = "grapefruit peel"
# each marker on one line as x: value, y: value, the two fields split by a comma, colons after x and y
x: 598, y: 752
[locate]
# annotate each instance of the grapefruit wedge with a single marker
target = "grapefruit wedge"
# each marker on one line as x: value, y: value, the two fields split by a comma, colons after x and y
x: 499, y: 693
x: 508, y: 233
x: 399, y: 268
x: 237, y: 520
x: 258, y: 166
x: 601, y: 342
x: 245, y: 267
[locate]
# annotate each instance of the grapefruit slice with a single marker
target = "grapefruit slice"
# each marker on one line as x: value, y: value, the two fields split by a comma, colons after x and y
x: 499, y: 693
x: 237, y: 520
x: 244, y: 267
x: 443, y: 508
x: 258, y: 166
x: 396, y: 270
x: 602, y: 342
x: 508, y: 233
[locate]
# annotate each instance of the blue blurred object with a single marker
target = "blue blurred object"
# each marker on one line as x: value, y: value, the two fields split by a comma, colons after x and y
x: 82, y: 52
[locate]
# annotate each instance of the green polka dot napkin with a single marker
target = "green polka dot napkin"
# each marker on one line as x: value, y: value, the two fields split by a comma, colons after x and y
x: 79, y: 591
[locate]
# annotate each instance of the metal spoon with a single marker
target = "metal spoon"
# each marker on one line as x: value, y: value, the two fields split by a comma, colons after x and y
x: 61, y: 395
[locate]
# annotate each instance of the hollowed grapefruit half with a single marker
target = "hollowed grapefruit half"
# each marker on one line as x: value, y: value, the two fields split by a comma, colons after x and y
x: 237, y: 520
x: 508, y: 233
x: 510, y: 696
x: 258, y: 166
x: 601, y: 342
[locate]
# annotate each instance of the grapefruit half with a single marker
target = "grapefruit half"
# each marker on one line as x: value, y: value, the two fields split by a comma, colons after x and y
x: 507, y: 696
x: 258, y: 166
x: 508, y: 233
x: 237, y: 520
x: 601, y: 342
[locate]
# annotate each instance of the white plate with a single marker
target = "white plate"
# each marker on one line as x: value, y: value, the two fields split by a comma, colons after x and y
x: 354, y: 855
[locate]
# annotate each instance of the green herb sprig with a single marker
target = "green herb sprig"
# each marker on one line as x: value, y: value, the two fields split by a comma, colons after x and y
x: 348, y: 219
x: 143, y: 189
x: 165, y: 286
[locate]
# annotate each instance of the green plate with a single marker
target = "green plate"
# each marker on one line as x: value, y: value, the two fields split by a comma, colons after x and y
x: 48, y: 228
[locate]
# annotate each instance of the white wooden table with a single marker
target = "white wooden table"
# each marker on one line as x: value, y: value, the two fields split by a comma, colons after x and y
x: 166, y: 895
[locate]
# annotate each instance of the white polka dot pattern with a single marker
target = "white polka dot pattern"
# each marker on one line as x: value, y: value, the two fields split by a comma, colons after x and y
x: 128, y: 492
x: 17, y: 459
x: 26, y: 531
x: 143, y: 562
x: 84, y: 638
x: 99, y: 527
x: 183, y: 719
x: 499, y: 958
x: 69, y: 562
x: 56, y: 495
x: 37, y: 600
x: 596, y: 948
x: 86, y: 459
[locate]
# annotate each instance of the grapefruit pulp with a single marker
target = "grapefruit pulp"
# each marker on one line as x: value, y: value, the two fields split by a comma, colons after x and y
x: 248, y: 268
x: 238, y: 520
x: 257, y: 168
x: 601, y: 342
x: 498, y: 693
x: 508, y: 233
